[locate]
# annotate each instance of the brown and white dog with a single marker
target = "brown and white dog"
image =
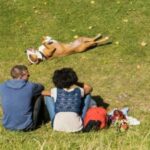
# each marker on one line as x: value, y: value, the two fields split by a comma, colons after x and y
x: 51, y: 48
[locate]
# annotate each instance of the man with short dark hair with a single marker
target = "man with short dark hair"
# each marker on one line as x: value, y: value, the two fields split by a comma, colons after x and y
x: 21, y: 100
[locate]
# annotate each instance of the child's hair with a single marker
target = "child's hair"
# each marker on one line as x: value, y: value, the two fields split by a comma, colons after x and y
x: 64, y: 78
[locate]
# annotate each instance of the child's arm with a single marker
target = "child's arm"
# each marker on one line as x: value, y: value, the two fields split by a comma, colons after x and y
x: 46, y: 93
x: 86, y: 87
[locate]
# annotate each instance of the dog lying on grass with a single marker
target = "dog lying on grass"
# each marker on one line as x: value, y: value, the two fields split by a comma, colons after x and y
x: 51, y: 48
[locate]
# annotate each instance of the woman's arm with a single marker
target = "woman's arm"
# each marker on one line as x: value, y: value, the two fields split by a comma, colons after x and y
x: 46, y: 93
x: 86, y: 87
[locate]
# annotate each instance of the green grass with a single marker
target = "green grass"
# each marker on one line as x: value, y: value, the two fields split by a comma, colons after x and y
x: 119, y: 73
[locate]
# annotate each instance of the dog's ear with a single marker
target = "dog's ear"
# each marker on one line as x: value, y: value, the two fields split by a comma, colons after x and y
x: 33, y: 58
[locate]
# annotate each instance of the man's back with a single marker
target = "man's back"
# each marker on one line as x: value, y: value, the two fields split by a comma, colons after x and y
x: 17, y: 105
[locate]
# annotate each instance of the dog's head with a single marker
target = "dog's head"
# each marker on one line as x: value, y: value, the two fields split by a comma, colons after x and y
x: 33, y: 56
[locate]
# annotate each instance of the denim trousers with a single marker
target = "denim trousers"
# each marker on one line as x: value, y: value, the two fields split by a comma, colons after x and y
x: 50, y: 104
x: 37, y: 103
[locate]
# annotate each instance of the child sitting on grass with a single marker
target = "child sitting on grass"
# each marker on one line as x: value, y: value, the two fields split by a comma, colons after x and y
x: 64, y: 102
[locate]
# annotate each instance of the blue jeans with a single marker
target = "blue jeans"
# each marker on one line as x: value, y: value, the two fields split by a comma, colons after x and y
x: 87, y: 101
x: 50, y: 104
x: 37, y: 103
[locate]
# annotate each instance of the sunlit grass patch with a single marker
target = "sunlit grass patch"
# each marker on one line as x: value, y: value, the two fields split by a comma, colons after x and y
x: 119, y: 72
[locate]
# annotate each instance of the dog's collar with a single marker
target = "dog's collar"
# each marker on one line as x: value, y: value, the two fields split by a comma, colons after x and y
x: 42, y: 57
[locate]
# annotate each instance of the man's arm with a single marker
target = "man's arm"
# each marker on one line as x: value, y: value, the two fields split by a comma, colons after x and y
x: 86, y: 87
x: 0, y: 94
x: 37, y: 89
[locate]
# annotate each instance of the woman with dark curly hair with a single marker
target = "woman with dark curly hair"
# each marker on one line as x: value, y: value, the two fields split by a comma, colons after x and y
x: 68, y: 102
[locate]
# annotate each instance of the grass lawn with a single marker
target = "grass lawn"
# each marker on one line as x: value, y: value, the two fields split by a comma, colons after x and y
x: 119, y: 73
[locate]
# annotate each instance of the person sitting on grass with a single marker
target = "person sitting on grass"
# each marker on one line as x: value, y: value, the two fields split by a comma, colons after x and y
x: 65, y: 101
x: 21, y: 100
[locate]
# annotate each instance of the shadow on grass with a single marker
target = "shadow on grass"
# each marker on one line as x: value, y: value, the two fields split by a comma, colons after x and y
x: 100, y: 101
